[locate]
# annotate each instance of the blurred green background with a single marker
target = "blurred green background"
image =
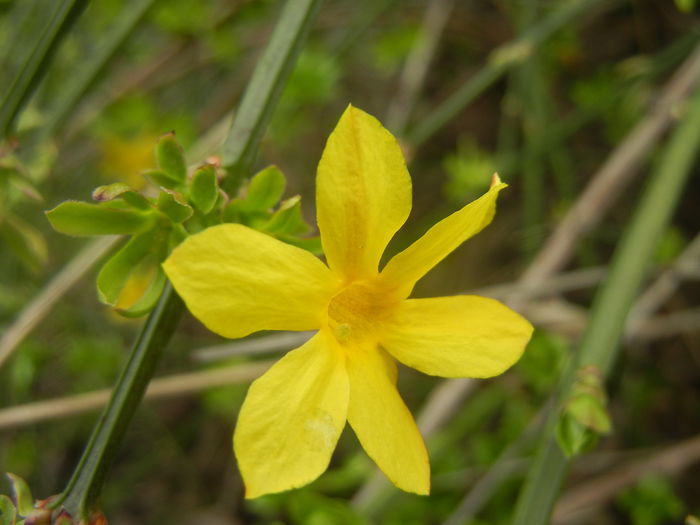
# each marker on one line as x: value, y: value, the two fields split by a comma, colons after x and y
x: 546, y: 117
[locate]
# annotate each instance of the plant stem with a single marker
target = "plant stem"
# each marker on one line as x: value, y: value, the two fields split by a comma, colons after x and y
x: 265, y: 88
x: 268, y: 79
x: 37, y: 62
x: 600, y: 343
x: 80, y: 496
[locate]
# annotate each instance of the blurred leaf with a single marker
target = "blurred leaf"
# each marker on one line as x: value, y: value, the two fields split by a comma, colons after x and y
x: 393, y: 46
x: 124, y: 159
x: 310, y: 508
x: 314, y: 79
x: 204, y: 189
x: 573, y: 437
x: 584, y: 413
x: 171, y: 158
x: 542, y: 361
x: 686, y: 6
x: 8, y: 513
x: 265, y: 189
x: 468, y: 170
x: 24, y: 241
x: 22, y: 494
x: 184, y: 16
x: 670, y: 246
x: 652, y: 501
x: 81, y: 218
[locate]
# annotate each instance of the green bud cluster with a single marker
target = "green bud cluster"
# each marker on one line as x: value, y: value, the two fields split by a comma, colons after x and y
x: 177, y: 204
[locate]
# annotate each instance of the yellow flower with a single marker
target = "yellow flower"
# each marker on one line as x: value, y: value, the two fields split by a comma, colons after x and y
x: 238, y: 281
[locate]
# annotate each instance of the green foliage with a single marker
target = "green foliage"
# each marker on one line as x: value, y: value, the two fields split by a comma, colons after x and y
x: 392, y: 46
x: 136, y: 264
x: 174, y: 206
x: 468, y: 171
x: 255, y: 209
x: 686, y: 6
x: 584, y: 415
x: 670, y: 246
x: 171, y: 158
x: 81, y: 218
x: 265, y: 189
x: 204, y: 189
x: 652, y: 501
x: 8, y: 513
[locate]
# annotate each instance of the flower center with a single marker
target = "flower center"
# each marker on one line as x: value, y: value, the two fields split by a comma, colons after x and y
x: 356, y: 312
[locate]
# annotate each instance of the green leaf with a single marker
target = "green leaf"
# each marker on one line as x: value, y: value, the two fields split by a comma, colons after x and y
x: 122, y: 191
x: 204, y: 188
x: 310, y: 244
x: 81, y: 218
x: 573, y: 437
x: 161, y: 179
x: 686, y: 6
x: 174, y: 206
x: 171, y: 158
x: 149, y: 298
x: 127, y: 281
x: 24, y: 240
x: 287, y: 220
x: 22, y: 494
x: 238, y: 210
x: 8, y: 513
x: 266, y: 189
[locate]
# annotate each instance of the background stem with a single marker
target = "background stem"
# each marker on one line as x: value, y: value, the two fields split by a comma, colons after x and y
x: 600, y: 342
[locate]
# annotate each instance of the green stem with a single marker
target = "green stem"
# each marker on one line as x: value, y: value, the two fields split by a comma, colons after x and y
x: 600, y: 343
x: 82, y: 491
x: 80, y: 496
x: 265, y: 88
x: 502, y: 59
x: 36, y: 64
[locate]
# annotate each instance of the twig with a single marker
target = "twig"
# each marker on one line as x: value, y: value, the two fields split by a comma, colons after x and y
x: 42, y: 303
x: 159, y: 388
x: 612, y: 178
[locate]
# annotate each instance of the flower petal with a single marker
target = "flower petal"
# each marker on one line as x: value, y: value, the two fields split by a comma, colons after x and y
x: 291, y: 419
x: 383, y: 424
x: 461, y: 336
x: 363, y: 194
x: 237, y: 280
x: 408, y: 266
